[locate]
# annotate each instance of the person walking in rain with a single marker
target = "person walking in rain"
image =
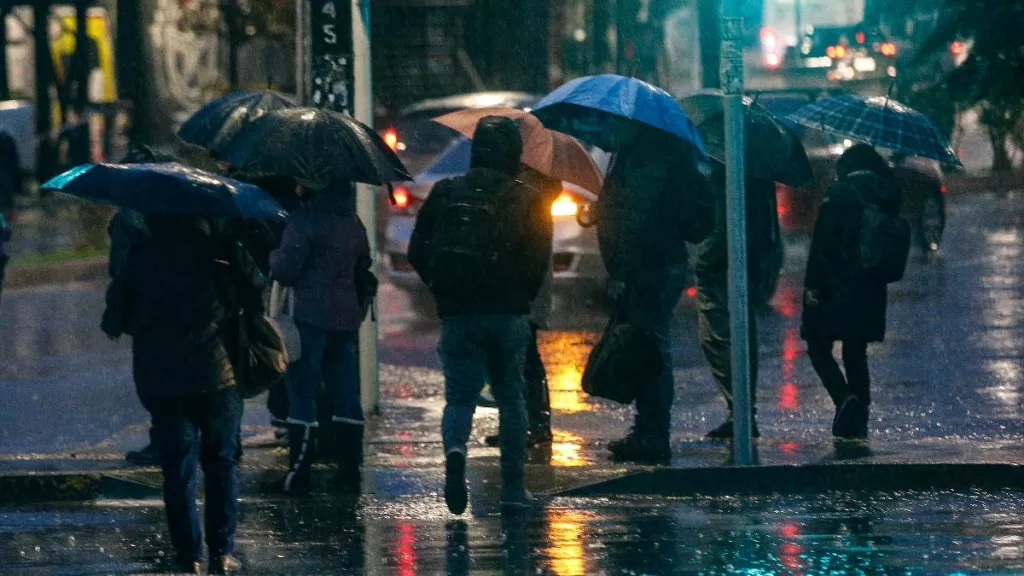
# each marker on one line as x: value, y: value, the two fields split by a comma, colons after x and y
x: 841, y: 301
x: 482, y: 243
x: 179, y: 281
x: 655, y: 200
x: 323, y: 245
x: 712, y: 273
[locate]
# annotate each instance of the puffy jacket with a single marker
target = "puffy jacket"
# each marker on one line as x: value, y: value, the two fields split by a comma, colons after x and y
x: 652, y: 195
x: 494, y: 164
x: 322, y: 244
x: 851, y: 305
x: 183, y: 282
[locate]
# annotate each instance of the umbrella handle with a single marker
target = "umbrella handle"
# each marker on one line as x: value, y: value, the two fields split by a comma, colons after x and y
x: 391, y: 195
x: 585, y: 216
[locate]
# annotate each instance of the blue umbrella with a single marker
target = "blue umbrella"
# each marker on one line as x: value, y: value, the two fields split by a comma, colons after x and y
x: 217, y: 121
x: 593, y: 108
x: 167, y: 189
x: 879, y: 121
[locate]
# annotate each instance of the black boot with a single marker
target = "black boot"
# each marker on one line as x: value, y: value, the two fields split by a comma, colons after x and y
x: 348, y: 452
x: 641, y: 447
x: 301, y: 444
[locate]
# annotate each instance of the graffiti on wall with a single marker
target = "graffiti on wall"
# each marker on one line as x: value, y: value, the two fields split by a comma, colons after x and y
x: 186, y: 50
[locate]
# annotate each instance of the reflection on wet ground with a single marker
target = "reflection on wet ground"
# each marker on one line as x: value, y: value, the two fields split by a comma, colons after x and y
x: 840, y: 533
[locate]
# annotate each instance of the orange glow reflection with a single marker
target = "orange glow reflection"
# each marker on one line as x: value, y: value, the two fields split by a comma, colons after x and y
x: 565, y: 355
x: 565, y: 544
x: 566, y: 450
x: 789, y: 394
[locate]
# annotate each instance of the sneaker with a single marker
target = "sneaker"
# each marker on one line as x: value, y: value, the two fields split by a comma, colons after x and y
x: 456, y: 495
x: 847, y: 421
x: 148, y: 456
x: 187, y: 567
x: 521, y: 501
x: 724, y: 431
x: 641, y: 448
x: 225, y: 564
x: 486, y: 400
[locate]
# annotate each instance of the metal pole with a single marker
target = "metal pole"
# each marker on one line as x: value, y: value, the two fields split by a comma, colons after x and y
x: 301, y: 51
x: 5, y: 89
x: 732, y: 87
x: 366, y: 205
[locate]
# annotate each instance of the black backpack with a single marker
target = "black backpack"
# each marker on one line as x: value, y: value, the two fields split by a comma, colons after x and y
x: 883, y: 244
x: 471, y: 242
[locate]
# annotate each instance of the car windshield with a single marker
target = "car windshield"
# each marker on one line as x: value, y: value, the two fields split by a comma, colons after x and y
x: 419, y: 134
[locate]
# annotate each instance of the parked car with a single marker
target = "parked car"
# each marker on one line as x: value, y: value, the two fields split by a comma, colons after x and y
x: 418, y: 141
x: 577, y: 261
x: 921, y: 179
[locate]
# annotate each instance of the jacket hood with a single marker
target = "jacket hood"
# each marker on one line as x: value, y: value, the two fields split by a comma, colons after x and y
x: 878, y: 190
x: 497, y: 145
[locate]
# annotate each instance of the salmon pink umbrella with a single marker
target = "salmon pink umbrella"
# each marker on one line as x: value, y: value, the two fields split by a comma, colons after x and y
x: 556, y: 155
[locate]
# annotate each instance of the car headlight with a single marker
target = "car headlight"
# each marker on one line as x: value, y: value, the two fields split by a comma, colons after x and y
x: 564, y: 205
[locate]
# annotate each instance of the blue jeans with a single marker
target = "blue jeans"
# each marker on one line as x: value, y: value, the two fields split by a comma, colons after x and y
x: 651, y: 301
x: 328, y: 356
x: 207, y: 424
x: 473, y: 347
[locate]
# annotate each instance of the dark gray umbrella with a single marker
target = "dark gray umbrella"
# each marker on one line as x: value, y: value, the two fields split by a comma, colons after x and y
x: 218, y: 120
x: 774, y: 152
x: 313, y: 145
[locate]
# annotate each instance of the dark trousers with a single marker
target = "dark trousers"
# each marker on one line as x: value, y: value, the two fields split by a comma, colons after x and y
x: 856, y: 382
x: 206, y: 426
x: 538, y: 399
x: 714, y: 328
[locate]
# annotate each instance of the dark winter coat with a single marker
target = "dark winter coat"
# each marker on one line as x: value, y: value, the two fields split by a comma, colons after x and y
x: 851, y: 306
x: 322, y: 244
x: 495, y: 162
x: 642, y: 213
x: 125, y: 228
x: 179, y: 301
x: 763, y: 236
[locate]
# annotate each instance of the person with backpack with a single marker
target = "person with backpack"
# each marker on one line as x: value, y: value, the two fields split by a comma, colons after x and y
x: 712, y: 274
x: 860, y: 244
x: 655, y: 199
x: 176, y: 281
x: 482, y: 243
x: 323, y: 250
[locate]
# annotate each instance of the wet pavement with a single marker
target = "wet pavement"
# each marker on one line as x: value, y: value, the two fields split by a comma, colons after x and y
x: 947, y: 388
x: 842, y: 533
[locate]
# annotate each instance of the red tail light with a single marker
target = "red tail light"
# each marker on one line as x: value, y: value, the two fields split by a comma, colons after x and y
x: 691, y: 292
x: 957, y: 48
x: 401, y: 198
x: 391, y: 138
x: 944, y: 189
x: 768, y: 38
x: 861, y: 37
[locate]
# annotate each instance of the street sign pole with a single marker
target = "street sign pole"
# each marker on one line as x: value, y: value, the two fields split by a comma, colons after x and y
x: 366, y: 205
x: 732, y: 87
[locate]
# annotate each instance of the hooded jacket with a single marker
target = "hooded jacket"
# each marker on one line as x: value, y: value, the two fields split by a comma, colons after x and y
x: 851, y: 306
x: 497, y: 148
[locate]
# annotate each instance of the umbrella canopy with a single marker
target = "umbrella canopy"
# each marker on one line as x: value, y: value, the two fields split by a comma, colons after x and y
x: 879, y: 121
x: 773, y: 151
x: 593, y: 109
x: 314, y: 146
x: 167, y: 189
x: 556, y: 155
x: 218, y: 120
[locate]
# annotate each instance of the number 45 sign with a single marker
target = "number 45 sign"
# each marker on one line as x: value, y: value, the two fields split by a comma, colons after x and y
x: 331, y: 27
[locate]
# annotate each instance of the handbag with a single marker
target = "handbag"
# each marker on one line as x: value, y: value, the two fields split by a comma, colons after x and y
x: 625, y: 361
x: 281, y: 312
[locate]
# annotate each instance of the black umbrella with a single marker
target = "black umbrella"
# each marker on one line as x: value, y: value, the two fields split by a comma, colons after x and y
x: 218, y: 120
x: 774, y: 152
x: 167, y: 189
x: 317, y: 146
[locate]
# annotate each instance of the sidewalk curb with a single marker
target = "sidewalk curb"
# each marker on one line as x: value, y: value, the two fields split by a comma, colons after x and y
x: 806, y: 479
x: 56, y: 273
x: 22, y: 489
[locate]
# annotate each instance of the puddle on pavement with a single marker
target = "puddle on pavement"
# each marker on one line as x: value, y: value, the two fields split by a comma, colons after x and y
x: 840, y: 533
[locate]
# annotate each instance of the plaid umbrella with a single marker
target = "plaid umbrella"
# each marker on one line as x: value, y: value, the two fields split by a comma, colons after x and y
x: 879, y: 121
